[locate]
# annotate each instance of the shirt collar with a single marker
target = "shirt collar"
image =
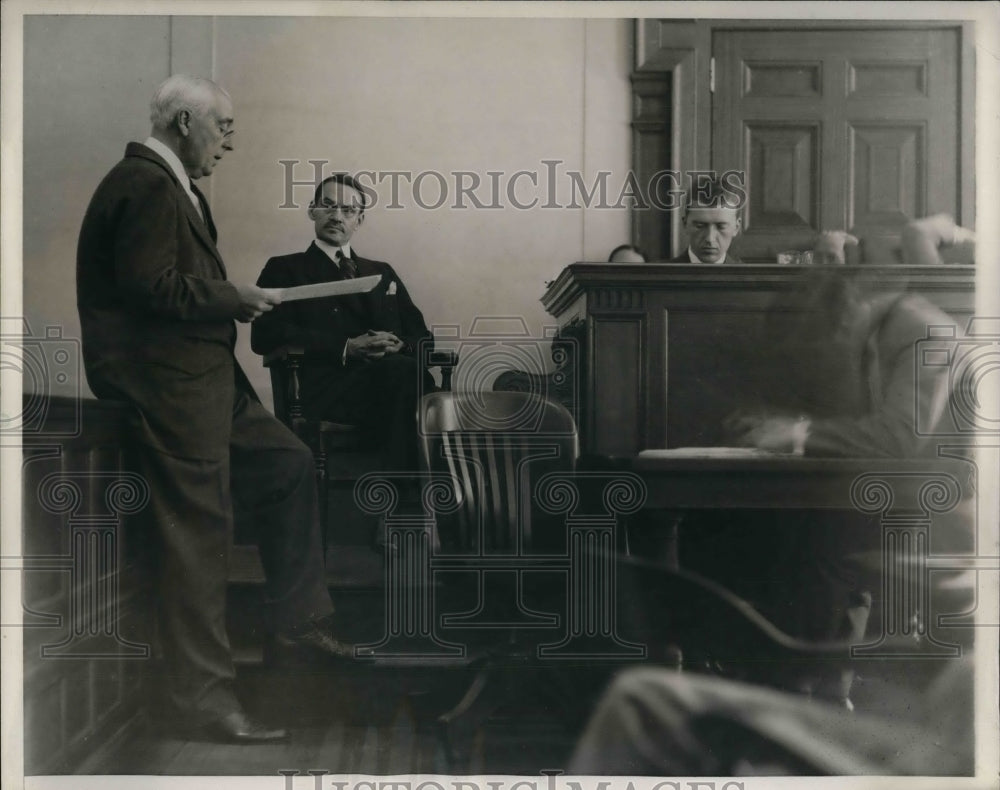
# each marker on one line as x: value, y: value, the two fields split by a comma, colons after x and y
x: 695, y: 259
x: 331, y: 250
x: 171, y: 159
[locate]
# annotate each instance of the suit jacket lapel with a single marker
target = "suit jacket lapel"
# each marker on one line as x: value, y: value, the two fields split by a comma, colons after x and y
x: 203, y: 229
x: 373, y: 300
x: 359, y: 303
x: 206, y: 212
x: 324, y: 269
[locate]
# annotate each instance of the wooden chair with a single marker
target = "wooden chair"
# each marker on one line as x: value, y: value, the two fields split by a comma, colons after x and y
x: 494, y: 447
x: 339, y: 450
x: 685, y: 619
x: 563, y: 385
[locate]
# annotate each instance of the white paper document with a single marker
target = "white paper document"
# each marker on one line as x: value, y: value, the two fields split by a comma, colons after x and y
x: 358, y: 285
x: 709, y: 452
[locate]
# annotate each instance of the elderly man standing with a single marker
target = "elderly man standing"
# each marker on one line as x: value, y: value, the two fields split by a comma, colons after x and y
x: 157, y: 316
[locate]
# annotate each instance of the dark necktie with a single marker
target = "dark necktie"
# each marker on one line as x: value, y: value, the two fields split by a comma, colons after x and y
x: 347, y: 268
x: 206, y: 213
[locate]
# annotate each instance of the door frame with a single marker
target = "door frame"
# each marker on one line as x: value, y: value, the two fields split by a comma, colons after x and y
x: 673, y: 56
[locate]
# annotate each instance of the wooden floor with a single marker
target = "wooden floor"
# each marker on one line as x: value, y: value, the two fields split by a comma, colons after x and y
x: 381, y: 721
x: 359, y: 717
x: 361, y: 722
x: 365, y: 718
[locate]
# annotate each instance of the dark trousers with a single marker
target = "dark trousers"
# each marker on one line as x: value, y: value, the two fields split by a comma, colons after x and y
x: 381, y: 396
x: 798, y: 568
x: 270, y: 474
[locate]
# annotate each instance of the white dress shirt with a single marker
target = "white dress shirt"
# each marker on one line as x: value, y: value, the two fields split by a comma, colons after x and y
x: 175, y: 164
x: 331, y: 250
x: 695, y: 259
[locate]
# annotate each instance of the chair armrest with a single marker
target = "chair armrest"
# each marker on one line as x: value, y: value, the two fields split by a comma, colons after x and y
x: 443, y: 358
x: 284, y: 354
x: 284, y: 363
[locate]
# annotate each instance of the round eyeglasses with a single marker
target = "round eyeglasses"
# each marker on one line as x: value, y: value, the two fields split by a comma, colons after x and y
x: 349, y: 212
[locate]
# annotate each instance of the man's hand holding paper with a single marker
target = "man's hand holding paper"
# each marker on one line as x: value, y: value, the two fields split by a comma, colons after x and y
x: 254, y: 301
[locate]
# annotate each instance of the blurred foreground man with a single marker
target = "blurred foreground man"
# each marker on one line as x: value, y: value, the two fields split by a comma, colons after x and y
x: 655, y: 722
x: 843, y: 380
x: 157, y: 316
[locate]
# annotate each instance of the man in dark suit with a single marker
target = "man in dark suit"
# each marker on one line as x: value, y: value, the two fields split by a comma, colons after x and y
x: 711, y: 222
x: 364, y: 364
x: 157, y: 313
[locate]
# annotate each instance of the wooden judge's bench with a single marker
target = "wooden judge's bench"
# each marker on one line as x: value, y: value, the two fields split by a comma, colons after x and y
x: 667, y: 351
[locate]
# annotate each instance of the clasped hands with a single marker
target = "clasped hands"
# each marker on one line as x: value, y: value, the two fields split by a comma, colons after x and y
x: 373, y: 344
x: 255, y: 301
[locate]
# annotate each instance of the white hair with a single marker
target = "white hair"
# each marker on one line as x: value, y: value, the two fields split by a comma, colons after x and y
x: 181, y: 92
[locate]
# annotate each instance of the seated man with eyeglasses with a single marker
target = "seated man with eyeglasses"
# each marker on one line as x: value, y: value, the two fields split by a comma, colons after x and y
x: 361, y: 348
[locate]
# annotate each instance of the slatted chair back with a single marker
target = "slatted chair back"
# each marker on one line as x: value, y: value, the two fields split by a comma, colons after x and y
x: 494, y: 447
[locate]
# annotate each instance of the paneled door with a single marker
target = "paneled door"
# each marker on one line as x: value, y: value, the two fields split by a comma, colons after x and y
x: 836, y: 129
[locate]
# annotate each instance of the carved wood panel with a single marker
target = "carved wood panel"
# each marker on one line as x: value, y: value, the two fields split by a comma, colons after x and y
x: 668, y: 373
x: 615, y: 412
x: 837, y: 129
x: 86, y: 600
x: 887, y: 175
x: 783, y: 167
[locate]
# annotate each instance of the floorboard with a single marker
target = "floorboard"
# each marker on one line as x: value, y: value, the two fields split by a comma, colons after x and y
x: 360, y: 722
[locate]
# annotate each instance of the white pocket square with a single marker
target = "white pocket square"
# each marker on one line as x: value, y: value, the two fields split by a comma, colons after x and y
x: 391, y: 290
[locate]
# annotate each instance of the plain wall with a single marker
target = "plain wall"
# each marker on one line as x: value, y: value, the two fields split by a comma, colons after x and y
x: 412, y: 95
x: 80, y: 109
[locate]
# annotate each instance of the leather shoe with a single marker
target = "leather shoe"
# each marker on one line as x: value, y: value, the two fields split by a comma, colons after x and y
x: 312, y: 642
x: 237, y: 727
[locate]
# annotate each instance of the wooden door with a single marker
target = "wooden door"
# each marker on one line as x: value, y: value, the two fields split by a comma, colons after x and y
x: 836, y: 129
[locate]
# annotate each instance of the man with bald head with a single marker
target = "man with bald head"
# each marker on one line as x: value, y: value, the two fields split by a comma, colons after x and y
x: 157, y: 316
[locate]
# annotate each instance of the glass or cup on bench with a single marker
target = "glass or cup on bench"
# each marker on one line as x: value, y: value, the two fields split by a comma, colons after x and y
x: 795, y: 258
